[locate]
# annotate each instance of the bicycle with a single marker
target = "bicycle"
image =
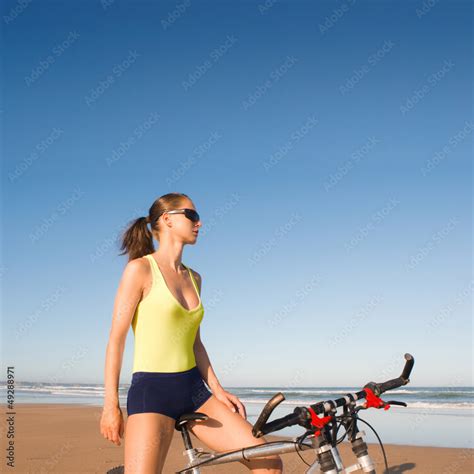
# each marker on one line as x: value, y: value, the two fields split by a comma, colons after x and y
x: 321, y: 431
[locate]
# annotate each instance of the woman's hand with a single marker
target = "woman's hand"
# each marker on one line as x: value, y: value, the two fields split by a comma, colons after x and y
x: 112, y: 425
x: 231, y: 401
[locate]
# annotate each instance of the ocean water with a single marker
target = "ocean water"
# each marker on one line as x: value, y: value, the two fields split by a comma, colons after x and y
x: 435, y: 416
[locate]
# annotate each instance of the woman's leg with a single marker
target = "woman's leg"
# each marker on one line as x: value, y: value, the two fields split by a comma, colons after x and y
x: 225, y: 430
x: 147, y: 440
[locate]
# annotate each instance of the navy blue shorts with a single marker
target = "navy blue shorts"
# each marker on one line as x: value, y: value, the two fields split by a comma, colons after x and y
x: 168, y: 393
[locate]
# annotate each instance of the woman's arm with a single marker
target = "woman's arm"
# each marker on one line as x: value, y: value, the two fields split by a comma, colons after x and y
x: 202, y: 359
x: 205, y: 368
x: 128, y: 295
x: 204, y: 365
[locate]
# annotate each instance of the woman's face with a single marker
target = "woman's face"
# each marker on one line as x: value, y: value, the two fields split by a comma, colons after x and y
x: 182, y: 228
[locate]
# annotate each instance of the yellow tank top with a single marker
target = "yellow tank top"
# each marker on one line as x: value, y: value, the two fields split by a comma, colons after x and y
x: 164, y: 330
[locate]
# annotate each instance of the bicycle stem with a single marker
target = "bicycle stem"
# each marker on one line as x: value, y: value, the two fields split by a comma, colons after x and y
x: 358, y: 444
x: 328, y: 456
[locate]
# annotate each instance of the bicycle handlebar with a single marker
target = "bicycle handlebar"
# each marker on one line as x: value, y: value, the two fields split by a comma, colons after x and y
x: 301, y: 415
x: 379, y: 388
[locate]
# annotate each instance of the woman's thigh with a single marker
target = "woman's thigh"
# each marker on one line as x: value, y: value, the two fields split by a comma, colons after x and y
x: 225, y: 430
x: 147, y: 440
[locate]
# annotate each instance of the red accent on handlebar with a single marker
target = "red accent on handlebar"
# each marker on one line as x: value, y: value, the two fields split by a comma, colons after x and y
x: 372, y: 401
x: 318, y: 422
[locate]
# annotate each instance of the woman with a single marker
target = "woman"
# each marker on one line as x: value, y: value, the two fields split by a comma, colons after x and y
x: 160, y: 297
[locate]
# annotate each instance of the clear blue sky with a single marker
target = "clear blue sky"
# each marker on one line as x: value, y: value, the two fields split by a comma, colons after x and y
x: 326, y: 145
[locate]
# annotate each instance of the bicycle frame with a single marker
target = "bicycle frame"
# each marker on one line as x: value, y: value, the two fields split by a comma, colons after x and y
x: 322, y: 431
x: 196, y: 456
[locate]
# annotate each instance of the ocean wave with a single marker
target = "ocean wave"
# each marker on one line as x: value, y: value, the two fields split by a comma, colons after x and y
x: 60, y: 390
x: 453, y: 391
x: 418, y: 405
x: 449, y: 397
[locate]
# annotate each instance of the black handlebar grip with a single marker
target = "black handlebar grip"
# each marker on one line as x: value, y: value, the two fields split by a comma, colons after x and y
x: 379, y: 388
x: 410, y: 361
x: 391, y: 384
x: 276, y: 425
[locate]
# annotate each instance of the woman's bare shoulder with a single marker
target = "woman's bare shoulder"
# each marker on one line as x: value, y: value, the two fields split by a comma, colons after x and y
x: 196, y: 276
x: 137, y: 264
x: 136, y: 269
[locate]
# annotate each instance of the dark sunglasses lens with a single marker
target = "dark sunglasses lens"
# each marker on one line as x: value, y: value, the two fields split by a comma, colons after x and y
x: 192, y: 214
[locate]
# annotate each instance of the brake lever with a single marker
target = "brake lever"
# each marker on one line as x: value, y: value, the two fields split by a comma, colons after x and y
x: 394, y: 402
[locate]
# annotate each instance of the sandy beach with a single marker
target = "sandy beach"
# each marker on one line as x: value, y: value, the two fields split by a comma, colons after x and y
x: 66, y: 438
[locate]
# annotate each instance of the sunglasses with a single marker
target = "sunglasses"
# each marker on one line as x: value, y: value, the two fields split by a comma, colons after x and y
x: 191, y: 214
